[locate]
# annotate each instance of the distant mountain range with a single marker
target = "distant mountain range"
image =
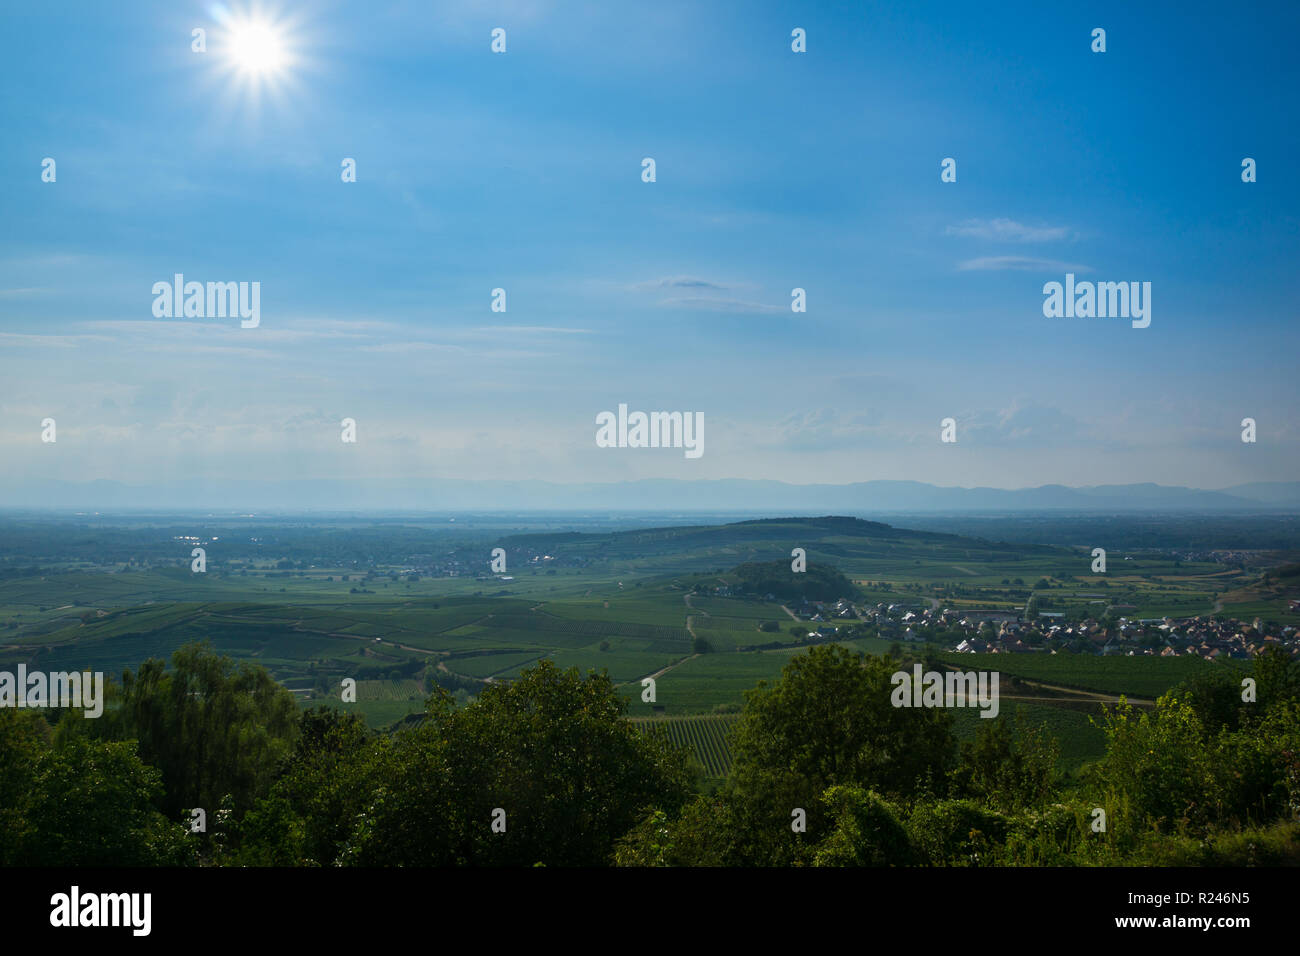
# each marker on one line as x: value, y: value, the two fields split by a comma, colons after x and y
x: 668, y: 495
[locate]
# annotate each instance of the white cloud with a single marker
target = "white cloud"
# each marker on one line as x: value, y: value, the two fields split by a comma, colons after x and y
x: 1024, y: 423
x: 1007, y: 230
x: 1021, y: 263
x: 50, y: 341
x: 679, y: 282
x: 401, y: 347
x: 703, y: 304
x: 535, y: 329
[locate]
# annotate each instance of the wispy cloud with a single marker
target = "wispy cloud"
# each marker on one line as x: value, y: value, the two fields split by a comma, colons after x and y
x: 1007, y: 230
x: 343, y: 325
x: 1021, y: 263
x: 215, y: 330
x: 50, y: 341
x: 54, y: 260
x: 534, y: 330
x: 1024, y: 423
x: 402, y: 347
x: 458, y: 352
x: 704, y: 304
x: 824, y: 429
x: 679, y: 282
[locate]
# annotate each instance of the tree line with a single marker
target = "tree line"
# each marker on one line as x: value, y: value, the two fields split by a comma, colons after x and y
x: 548, y: 770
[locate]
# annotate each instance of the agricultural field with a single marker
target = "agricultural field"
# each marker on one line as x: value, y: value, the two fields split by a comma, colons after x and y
x: 389, y: 690
x: 729, y: 609
x: 1145, y: 677
x: 482, y: 666
x: 1081, y: 741
x: 702, y: 684
x: 705, y: 737
x: 378, y: 714
x: 396, y: 603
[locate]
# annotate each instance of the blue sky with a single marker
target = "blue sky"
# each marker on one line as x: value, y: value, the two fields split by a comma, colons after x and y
x: 775, y: 170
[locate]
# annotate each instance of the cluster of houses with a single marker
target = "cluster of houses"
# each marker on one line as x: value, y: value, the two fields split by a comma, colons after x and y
x: 821, y: 613
x: 1203, y: 637
x: 1002, y: 631
x: 1200, y: 637
x: 436, y: 566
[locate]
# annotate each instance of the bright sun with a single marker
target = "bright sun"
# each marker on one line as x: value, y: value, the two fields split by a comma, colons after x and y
x: 262, y: 60
x: 257, y: 48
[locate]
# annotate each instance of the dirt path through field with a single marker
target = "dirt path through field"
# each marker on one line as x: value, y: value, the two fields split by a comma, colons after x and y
x: 1065, y: 693
x: 664, y: 670
x: 1088, y: 694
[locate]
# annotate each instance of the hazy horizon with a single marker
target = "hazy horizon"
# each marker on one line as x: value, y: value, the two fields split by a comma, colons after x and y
x: 657, y: 496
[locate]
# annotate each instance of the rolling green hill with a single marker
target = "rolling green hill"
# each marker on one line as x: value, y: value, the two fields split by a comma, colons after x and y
x: 687, y: 605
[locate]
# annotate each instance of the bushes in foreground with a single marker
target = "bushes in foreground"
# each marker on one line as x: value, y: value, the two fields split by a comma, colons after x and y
x: 547, y: 770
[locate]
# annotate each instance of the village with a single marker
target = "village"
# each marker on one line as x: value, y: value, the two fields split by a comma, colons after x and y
x: 1002, y: 631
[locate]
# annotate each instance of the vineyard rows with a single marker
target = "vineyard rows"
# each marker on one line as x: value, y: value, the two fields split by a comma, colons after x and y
x: 705, y: 737
x: 546, y: 623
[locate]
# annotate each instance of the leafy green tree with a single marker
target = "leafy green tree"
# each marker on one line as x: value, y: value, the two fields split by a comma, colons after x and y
x: 1215, y: 697
x: 552, y: 749
x: 1158, y: 770
x: 956, y: 833
x: 1008, y: 769
x: 1278, y: 676
x: 24, y: 737
x: 865, y: 831
x: 829, y: 720
x: 213, y: 728
x: 1254, y: 768
x: 708, y: 831
x: 820, y: 582
x: 92, y: 804
x: 323, y: 787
